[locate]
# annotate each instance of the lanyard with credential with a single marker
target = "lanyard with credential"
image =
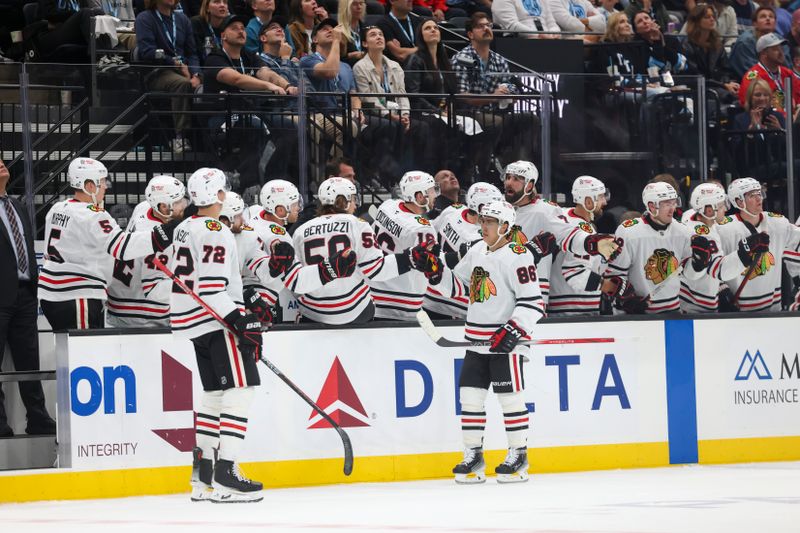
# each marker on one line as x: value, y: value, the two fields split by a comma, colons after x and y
x: 214, y: 35
x: 775, y: 78
x: 241, y: 65
x: 410, y: 33
x: 387, y: 88
x: 171, y: 37
x: 69, y: 5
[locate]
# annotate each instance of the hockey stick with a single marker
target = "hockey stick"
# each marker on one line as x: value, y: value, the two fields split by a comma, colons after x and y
x: 430, y: 329
x: 348, y: 446
x: 750, y: 269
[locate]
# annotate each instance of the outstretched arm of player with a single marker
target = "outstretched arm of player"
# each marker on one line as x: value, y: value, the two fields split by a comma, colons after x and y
x: 280, y: 269
x: 573, y: 239
x: 698, y: 254
x: 123, y: 245
x: 729, y: 267
x: 579, y: 274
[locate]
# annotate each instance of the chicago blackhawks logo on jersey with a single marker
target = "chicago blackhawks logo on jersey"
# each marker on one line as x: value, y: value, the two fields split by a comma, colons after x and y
x: 702, y: 229
x: 456, y: 205
x: 774, y: 215
x: 763, y: 265
x: 481, y: 287
x: 660, y: 265
x: 422, y: 220
x: 585, y: 226
x: 517, y: 248
x: 277, y: 230
x: 630, y: 222
x: 213, y: 225
x: 517, y: 236
x: 726, y: 220
x: 95, y: 208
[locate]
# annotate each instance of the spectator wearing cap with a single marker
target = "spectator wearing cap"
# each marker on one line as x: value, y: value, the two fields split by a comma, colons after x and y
x: 304, y: 16
x: 263, y: 10
x: 744, y: 54
x: 399, y: 30
x: 164, y: 37
x: 207, y: 27
x: 526, y: 16
x: 770, y: 68
x: 276, y: 52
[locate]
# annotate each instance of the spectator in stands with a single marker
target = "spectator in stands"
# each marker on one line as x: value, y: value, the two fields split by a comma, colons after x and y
x: 783, y: 19
x: 726, y: 20
x: 263, y: 10
x: 351, y: 20
x: 770, y: 68
x: 744, y: 54
x: 654, y: 8
x: 276, y: 53
x: 399, y: 30
x: 303, y: 16
x: 67, y: 23
x: 526, y: 16
x: 429, y: 71
x: 793, y: 39
x: 745, y: 11
x: 660, y: 51
x: 207, y: 27
x: 578, y: 16
x: 706, y: 55
x: 759, y: 113
x: 618, y: 61
x: 450, y: 192
x: 164, y: 38
x: 796, y: 61
x: 438, y: 10
x: 607, y: 8
x: 19, y: 309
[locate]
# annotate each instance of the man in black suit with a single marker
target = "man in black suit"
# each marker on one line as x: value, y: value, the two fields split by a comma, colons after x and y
x: 19, y: 309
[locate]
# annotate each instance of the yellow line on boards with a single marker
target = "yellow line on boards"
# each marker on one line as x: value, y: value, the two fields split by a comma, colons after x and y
x: 748, y: 450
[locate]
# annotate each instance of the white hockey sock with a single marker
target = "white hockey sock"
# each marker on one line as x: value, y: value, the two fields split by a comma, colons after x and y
x: 473, y: 415
x: 207, y: 424
x: 515, y: 418
x: 233, y: 421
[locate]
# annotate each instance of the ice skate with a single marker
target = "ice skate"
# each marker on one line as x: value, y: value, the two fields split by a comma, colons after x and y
x: 472, y: 469
x: 202, y: 474
x: 515, y: 468
x: 232, y: 486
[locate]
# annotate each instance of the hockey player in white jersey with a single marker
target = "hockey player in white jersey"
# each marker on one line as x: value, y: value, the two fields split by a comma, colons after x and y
x: 81, y: 242
x: 770, y: 239
x: 646, y: 276
x: 346, y: 300
x: 399, y: 225
x: 537, y: 216
x: 457, y: 229
x: 205, y: 258
x: 575, y: 279
x: 131, y: 301
x: 505, y: 304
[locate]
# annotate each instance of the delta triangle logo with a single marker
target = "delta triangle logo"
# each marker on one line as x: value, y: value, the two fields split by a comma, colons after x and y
x: 339, y: 400
x: 176, y: 396
x: 750, y: 364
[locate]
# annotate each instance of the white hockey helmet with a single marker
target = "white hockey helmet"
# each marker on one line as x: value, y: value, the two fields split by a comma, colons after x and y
x: 232, y: 206
x: 658, y: 192
x: 83, y: 169
x: 415, y: 181
x: 588, y: 187
x: 501, y: 210
x: 524, y: 169
x: 281, y: 193
x: 481, y: 193
x: 204, y: 186
x: 739, y: 187
x: 164, y: 190
x: 707, y: 194
x: 332, y: 188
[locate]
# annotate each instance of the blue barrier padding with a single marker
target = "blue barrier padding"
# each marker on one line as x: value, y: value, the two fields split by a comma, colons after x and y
x: 681, y: 395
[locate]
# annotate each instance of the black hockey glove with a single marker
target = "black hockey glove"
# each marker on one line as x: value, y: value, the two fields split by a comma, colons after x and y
x: 255, y: 303
x: 162, y: 235
x: 506, y: 338
x: 339, y: 265
x: 702, y: 250
x: 281, y: 258
x: 631, y: 303
x: 726, y: 303
x: 426, y: 260
x: 752, y: 246
x: 602, y: 244
x: 248, y: 329
x: 542, y: 245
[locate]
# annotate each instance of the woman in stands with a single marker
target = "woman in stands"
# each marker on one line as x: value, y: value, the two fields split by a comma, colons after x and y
x: 615, y: 53
x: 351, y: 20
x: 207, y: 27
x: 758, y: 112
x: 303, y: 16
x: 705, y: 53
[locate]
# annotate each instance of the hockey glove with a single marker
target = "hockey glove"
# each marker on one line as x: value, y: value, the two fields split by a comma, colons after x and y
x: 281, y: 258
x: 752, y: 246
x: 162, y: 235
x: 339, y: 265
x: 726, y: 301
x: 702, y: 250
x: 426, y: 260
x: 631, y: 303
x: 506, y: 338
x: 542, y: 245
x: 255, y: 303
x: 248, y: 329
x: 605, y: 245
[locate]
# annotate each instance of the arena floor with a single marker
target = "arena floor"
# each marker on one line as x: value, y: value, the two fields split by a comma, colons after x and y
x: 763, y: 497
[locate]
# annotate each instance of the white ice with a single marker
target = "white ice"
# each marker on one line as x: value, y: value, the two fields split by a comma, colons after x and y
x: 759, y: 498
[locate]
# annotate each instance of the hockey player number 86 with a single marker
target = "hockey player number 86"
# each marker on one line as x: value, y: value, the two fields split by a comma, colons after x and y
x: 526, y: 274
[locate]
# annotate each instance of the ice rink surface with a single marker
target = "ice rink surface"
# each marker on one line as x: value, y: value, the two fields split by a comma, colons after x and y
x: 762, y: 498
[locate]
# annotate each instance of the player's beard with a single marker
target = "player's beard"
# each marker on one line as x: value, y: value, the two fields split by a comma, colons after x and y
x: 514, y: 197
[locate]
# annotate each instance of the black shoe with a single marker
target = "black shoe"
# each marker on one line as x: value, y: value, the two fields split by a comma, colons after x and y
x: 231, y: 485
x: 5, y: 430
x: 41, y: 426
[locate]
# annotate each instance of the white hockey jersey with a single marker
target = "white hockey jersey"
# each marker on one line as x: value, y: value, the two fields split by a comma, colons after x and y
x: 81, y: 243
x: 502, y: 286
x: 763, y: 289
x: 342, y: 300
x: 131, y: 302
x: 397, y: 229
x: 542, y: 215
x: 205, y: 257
x: 575, y: 279
x: 651, y: 257
x: 273, y: 290
x: 702, y: 295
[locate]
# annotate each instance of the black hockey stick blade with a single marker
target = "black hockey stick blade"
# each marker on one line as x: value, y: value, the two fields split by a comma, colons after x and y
x: 348, y: 446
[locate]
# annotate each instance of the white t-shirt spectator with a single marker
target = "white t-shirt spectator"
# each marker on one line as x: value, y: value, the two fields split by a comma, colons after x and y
x: 568, y: 12
x: 523, y: 15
